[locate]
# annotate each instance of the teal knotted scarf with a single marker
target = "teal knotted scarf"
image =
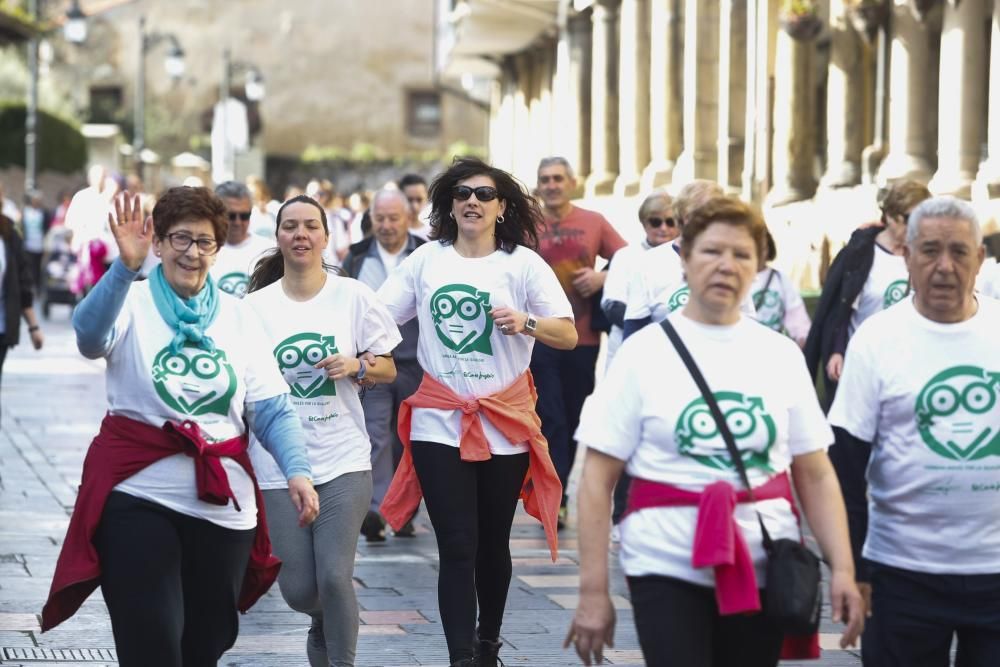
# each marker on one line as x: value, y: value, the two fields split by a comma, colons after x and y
x: 189, y: 318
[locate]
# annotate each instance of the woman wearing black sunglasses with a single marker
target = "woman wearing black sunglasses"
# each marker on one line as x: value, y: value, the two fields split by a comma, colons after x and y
x: 472, y: 440
x: 656, y: 214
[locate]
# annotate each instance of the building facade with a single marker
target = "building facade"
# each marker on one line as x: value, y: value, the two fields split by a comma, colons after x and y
x: 779, y: 107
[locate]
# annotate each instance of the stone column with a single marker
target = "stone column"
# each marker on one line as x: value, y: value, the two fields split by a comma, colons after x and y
x: 701, y: 90
x: 909, y: 98
x: 633, y: 95
x: 665, y: 93
x: 581, y: 66
x: 540, y: 109
x: 568, y: 111
x: 845, y: 114
x: 604, y: 99
x: 502, y: 120
x: 524, y: 72
x: 732, y: 92
x: 989, y: 174
x: 961, y: 98
x: 794, y: 138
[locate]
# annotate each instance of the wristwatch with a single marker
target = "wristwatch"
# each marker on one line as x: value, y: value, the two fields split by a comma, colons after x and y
x: 531, y: 324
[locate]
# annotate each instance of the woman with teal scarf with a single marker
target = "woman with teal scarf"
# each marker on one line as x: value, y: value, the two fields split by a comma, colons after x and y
x: 169, y: 520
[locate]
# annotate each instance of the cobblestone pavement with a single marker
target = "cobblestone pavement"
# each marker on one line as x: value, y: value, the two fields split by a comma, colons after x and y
x: 52, y: 404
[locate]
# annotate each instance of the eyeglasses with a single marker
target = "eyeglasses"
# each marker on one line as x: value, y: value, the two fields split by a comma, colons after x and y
x: 483, y: 192
x: 241, y: 215
x: 655, y: 222
x: 181, y: 242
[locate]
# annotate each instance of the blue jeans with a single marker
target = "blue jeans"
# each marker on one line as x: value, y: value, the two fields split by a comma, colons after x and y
x: 564, y: 379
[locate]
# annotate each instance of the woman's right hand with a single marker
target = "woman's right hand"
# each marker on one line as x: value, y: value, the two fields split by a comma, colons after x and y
x: 132, y: 234
x: 835, y: 366
x: 592, y: 627
x: 305, y: 499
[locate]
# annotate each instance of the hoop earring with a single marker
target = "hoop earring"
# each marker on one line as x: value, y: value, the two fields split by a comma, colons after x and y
x: 500, y: 219
x: 451, y: 214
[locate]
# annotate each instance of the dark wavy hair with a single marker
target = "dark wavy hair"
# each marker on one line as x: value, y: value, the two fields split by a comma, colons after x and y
x: 186, y: 203
x: 271, y: 267
x: 522, y: 217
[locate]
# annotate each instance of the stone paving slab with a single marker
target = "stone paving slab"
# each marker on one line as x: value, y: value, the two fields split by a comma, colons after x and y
x: 52, y: 405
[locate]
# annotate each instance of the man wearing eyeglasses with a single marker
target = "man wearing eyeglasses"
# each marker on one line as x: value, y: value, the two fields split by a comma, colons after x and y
x: 237, y: 258
x: 570, y: 242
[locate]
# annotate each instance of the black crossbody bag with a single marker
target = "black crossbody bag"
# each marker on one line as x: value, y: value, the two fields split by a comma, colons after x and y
x: 794, y: 594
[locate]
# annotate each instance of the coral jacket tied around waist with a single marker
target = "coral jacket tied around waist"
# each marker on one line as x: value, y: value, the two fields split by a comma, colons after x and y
x: 512, y: 412
x: 719, y: 543
x: 122, y: 448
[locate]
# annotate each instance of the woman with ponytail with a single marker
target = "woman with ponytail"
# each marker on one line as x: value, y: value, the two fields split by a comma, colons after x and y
x: 328, y: 333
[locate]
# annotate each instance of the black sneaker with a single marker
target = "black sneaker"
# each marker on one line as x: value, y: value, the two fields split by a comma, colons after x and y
x: 373, y: 527
x: 406, y: 530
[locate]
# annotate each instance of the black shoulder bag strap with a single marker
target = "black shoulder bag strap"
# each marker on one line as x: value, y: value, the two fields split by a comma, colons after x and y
x: 720, y: 419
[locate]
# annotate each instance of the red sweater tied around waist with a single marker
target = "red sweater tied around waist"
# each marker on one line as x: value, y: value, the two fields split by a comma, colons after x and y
x: 719, y: 543
x: 122, y: 448
x: 512, y: 412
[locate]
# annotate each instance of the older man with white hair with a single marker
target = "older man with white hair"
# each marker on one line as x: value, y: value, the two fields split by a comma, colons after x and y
x: 371, y: 261
x: 920, y: 396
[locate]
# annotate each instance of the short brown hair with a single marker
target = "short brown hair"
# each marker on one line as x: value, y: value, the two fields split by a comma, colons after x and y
x: 902, y: 197
x: 693, y: 195
x: 183, y: 204
x: 727, y: 210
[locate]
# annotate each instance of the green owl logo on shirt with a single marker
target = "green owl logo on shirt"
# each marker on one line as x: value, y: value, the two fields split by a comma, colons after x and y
x: 770, y: 309
x: 234, y: 283
x: 679, y: 298
x: 895, y: 292
x: 957, y: 415
x: 461, y: 316
x: 752, y: 427
x: 297, y: 356
x: 194, y: 381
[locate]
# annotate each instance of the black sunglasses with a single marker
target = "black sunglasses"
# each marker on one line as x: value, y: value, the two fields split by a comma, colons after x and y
x: 655, y: 222
x: 483, y: 192
x: 242, y: 216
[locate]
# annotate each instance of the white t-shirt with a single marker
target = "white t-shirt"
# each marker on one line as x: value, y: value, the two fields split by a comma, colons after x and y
x: 389, y: 259
x: 149, y: 383
x: 988, y: 280
x: 345, y: 317
x: 887, y: 284
x: 925, y: 394
x: 780, y: 307
x: 235, y: 263
x: 451, y: 296
x: 616, y: 286
x: 649, y: 412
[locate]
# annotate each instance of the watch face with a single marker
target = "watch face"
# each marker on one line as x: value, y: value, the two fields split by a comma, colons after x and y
x: 531, y: 324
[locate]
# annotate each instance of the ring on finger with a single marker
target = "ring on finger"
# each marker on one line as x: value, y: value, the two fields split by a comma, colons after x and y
x: 503, y: 328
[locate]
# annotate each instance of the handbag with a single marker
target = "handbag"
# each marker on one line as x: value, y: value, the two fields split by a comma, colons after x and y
x: 793, y: 596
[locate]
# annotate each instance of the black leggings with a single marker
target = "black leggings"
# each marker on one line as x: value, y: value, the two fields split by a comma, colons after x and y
x: 679, y: 624
x: 171, y: 583
x: 471, y: 506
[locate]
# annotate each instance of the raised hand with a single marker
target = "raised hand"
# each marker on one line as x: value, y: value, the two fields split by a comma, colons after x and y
x: 132, y: 234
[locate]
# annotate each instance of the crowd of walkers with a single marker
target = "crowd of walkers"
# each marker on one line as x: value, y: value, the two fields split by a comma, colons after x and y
x: 285, y: 378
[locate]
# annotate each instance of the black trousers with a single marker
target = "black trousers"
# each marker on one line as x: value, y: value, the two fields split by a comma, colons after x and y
x: 564, y: 379
x: 471, y: 506
x: 679, y: 626
x: 915, y: 617
x: 3, y: 357
x: 171, y: 583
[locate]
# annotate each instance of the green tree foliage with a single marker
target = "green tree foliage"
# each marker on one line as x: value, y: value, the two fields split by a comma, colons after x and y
x: 61, y: 147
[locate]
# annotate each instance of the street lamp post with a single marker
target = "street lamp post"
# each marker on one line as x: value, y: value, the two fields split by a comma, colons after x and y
x: 175, y: 68
x: 254, y: 90
x: 75, y: 31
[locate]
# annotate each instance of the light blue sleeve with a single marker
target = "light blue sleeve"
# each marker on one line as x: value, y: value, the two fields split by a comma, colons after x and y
x: 276, y: 424
x: 94, y: 319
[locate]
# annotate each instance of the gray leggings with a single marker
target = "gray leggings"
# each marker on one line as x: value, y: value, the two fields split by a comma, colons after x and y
x: 319, y: 559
